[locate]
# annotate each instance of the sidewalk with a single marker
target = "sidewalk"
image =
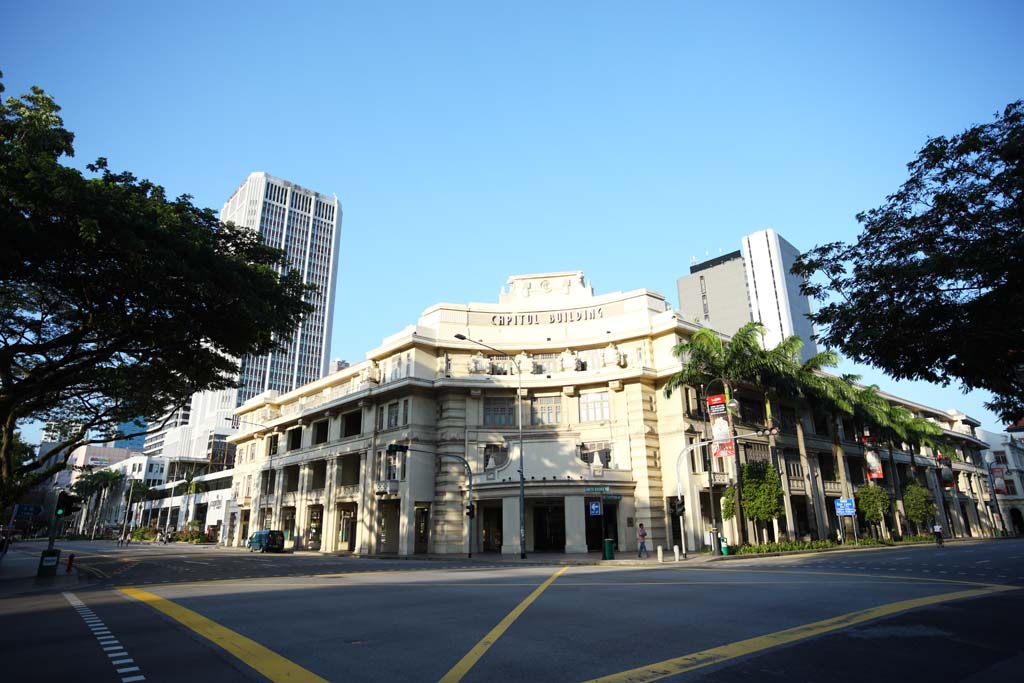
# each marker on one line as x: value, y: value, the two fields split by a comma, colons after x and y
x: 18, y: 572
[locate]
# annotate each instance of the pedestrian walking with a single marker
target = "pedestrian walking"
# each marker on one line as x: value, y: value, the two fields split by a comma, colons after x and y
x: 937, y: 530
x: 641, y: 537
x: 120, y: 540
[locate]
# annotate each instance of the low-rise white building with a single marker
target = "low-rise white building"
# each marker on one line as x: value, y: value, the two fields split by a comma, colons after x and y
x: 599, y: 444
x: 175, y: 505
x: 1006, y: 452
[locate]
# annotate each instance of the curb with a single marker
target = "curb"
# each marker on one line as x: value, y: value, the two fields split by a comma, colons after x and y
x: 868, y: 548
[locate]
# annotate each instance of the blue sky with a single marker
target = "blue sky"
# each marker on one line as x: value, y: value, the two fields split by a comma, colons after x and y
x: 471, y: 141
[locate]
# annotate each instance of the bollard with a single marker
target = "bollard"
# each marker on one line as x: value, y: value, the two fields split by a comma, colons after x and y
x: 71, y: 561
x: 675, y: 550
x: 661, y: 554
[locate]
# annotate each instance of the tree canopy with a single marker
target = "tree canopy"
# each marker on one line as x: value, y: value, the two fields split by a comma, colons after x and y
x: 116, y: 302
x: 933, y: 288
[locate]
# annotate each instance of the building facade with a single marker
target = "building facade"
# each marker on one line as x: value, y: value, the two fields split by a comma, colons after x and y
x: 755, y: 283
x: 1005, y: 459
x: 601, y: 447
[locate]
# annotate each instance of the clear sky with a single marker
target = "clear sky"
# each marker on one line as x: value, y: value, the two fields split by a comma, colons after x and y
x: 471, y: 141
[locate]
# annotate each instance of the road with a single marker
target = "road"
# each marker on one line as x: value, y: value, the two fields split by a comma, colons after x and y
x: 174, y: 613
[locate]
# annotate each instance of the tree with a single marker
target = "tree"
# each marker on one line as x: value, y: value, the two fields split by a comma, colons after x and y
x: 872, y: 501
x: 740, y: 361
x: 919, y: 503
x: 762, y: 492
x: 115, y: 301
x: 933, y: 288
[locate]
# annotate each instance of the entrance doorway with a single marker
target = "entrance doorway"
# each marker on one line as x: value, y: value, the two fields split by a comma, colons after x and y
x: 1016, y: 522
x: 346, y: 527
x: 490, y: 528
x: 600, y: 527
x: 422, y: 544
x: 388, y: 537
x: 315, y: 534
x: 245, y: 526
x: 549, y: 527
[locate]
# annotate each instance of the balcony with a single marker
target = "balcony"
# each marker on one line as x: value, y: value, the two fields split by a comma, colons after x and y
x: 347, y: 490
x: 797, y: 485
x: 384, y: 488
x: 833, y: 487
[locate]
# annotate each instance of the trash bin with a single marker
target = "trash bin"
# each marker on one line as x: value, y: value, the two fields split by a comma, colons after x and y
x: 609, y: 549
x: 725, y: 544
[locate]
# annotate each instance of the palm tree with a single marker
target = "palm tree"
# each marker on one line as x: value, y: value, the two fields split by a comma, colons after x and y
x: 744, y: 362
x: 808, y: 383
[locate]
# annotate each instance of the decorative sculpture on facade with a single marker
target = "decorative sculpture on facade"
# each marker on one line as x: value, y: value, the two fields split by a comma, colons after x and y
x: 570, y: 362
x: 525, y: 363
x: 479, y: 364
x: 613, y: 357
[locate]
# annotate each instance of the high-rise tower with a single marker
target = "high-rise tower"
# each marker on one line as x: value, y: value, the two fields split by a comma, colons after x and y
x: 307, y: 226
x: 728, y: 291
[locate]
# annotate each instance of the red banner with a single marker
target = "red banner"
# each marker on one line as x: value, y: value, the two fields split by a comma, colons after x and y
x: 874, y: 463
x: 721, y: 427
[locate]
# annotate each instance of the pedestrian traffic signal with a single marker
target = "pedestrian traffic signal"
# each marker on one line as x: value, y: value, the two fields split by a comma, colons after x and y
x: 767, y: 431
x: 676, y: 506
x: 471, y: 511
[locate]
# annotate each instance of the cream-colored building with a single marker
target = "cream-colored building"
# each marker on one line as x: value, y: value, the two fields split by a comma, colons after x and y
x: 597, y: 429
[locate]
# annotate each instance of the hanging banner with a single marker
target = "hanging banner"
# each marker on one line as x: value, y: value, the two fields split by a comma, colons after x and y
x: 874, y: 463
x: 721, y: 427
x: 998, y: 480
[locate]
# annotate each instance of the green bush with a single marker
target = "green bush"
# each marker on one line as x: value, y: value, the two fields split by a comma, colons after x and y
x: 783, y: 547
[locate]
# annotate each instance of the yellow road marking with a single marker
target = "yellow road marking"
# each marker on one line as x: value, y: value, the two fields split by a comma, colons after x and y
x: 717, y: 655
x: 473, y: 656
x: 265, y: 661
x: 812, y: 572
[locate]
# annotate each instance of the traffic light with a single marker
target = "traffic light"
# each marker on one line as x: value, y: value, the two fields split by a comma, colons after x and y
x: 767, y: 431
x: 397, y: 448
x: 676, y: 506
x: 67, y: 504
x: 471, y: 511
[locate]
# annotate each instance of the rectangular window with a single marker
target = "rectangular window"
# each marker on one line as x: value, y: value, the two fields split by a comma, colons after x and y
x: 495, y: 455
x: 380, y: 418
x: 392, y: 415
x: 352, y: 423
x: 599, y: 451
x: 408, y: 365
x: 405, y: 412
x: 546, y: 410
x: 272, y: 445
x: 1011, y: 487
x: 320, y: 432
x: 793, y: 468
x: 594, y: 407
x: 499, y: 412
x: 295, y: 439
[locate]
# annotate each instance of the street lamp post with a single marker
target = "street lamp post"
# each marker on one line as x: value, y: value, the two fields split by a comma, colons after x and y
x: 519, y: 422
x: 732, y: 405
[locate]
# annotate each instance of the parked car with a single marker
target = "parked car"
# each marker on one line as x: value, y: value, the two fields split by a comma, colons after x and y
x: 267, y: 541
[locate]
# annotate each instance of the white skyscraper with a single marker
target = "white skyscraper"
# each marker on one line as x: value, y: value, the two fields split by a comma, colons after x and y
x: 306, y: 225
x: 755, y: 283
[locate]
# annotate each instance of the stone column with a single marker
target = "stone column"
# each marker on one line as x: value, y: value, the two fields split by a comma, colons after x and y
x: 575, y: 524
x: 276, y: 514
x: 301, y: 506
x: 367, y: 508
x: 510, y: 525
x: 329, y: 532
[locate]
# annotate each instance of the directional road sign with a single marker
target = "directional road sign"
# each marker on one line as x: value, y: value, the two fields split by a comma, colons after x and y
x: 595, y: 508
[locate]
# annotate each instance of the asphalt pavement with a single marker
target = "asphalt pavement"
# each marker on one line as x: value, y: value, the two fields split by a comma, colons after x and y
x: 175, y: 613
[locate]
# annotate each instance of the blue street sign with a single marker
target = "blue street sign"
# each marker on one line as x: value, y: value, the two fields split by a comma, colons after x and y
x: 845, y: 507
x: 595, y: 508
